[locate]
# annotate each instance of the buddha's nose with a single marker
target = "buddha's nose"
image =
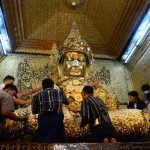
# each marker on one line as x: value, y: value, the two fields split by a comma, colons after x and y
x: 75, y: 63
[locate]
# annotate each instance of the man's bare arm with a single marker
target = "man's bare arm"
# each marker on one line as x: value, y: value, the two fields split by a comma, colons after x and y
x: 28, y: 92
x: 22, y: 102
x: 10, y: 115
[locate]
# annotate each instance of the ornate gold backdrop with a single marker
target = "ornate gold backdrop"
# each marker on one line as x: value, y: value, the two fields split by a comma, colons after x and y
x: 29, y: 70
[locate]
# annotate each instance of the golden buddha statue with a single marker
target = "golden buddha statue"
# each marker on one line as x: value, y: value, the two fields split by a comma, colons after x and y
x: 76, y: 69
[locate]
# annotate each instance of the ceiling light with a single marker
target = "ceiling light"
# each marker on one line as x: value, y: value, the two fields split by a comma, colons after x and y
x: 140, y: 35
x: 74, y: 3
x: 4, y: 40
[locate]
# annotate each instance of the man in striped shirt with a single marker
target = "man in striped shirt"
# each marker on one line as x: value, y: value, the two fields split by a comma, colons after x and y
x: 48, y: 105
x: 94, y: 113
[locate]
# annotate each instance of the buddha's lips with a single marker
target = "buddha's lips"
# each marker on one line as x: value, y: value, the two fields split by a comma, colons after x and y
x: 75, y: 70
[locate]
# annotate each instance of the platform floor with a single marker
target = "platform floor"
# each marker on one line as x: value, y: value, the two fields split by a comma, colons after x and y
x: 76, y: 146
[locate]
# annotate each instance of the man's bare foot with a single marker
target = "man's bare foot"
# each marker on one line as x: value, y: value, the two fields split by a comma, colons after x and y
x: 106, y: 140
x: 113, y: 141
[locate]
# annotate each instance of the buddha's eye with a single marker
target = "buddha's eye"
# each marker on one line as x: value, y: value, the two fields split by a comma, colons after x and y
x: 70, y: 59
x: 65, y: 59
x: 81, y: 59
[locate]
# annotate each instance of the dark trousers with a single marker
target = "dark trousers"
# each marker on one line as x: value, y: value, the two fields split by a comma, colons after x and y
x: 50, y: 128
x: 101, y: 131
x: 4, y: 136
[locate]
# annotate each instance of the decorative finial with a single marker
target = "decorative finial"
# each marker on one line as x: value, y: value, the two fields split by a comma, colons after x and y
x: 54, y: 54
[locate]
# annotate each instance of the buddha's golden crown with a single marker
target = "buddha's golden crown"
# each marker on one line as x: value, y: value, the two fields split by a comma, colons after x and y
x: 74, y: 42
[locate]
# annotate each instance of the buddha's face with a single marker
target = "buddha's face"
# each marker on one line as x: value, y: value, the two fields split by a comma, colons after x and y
x: 74, y: 64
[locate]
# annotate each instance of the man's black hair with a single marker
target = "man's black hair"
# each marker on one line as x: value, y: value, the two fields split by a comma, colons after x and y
x: 9, y: 78
x: 10, y: 87
x: 47, y: 83
x: 133, y: 93
x: 145, y: 87
x: 88, y: 89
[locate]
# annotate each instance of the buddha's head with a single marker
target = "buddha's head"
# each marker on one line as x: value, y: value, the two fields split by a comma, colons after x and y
x: 74, y: 64
x: 75, y: 55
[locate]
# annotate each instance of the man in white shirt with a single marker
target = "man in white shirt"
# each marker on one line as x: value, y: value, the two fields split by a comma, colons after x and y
x: 10, y: 80
x: 6, y: 96
x: 6, y: 100
x: 7, y: 108
x: 7, y: 80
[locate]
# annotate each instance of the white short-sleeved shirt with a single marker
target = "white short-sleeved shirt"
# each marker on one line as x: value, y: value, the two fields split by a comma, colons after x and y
x: 6, y: 101
x: 2, y: 86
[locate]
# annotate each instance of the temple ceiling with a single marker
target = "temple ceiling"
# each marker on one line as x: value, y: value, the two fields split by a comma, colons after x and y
x: 34, y: 25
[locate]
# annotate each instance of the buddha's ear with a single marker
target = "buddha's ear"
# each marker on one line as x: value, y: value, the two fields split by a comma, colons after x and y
x: 91, y: 67
x: 60, y: 74
x: 90, y: 70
